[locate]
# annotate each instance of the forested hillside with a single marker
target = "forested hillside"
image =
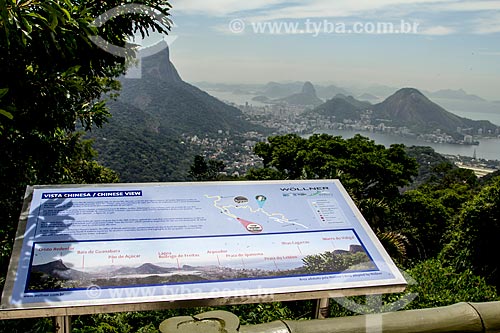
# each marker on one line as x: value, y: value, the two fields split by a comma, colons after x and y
x: 131, y: 144
x: 142, y: 140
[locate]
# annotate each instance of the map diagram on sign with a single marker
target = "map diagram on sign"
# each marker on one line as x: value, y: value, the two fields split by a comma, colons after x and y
x: 252, y: 213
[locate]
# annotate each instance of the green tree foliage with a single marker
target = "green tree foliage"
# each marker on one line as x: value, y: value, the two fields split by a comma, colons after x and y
x: 425, y: 221
x: 264, y: 174
x: 74, y: 164
x: 431, y: 284
x: 130, y: 144
x: 425, y: 213
x: 326, y: 156
x: 447, y: 174
x: 437, y: 284
x: 451, y: 186
x: 149, y: 321
x: 378, y: 214
x: 203, y: 169
x: 336, y: 262
x: 52, y: 79
x: 427, y: 159
x: 4, y: 113
x: 251, y: 314
x: 489, y: 178
x: 371, y: 173
x: 476, y: 234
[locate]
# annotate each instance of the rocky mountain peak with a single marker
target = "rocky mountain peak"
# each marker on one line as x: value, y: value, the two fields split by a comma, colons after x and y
x: 308, y: 89
x: 156, y: 63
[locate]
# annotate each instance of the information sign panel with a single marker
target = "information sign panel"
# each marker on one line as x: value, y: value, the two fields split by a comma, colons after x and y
x: 119, y: 243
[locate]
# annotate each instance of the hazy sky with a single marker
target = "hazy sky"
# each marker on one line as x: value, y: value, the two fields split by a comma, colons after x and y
x: 456, y: 44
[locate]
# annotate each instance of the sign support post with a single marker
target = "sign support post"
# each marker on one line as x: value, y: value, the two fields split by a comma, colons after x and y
x: 62, y: 324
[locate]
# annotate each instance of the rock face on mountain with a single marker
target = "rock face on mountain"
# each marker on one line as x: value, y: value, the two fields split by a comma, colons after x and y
x: 177, y: 106
x: 307, y: 97
x: 308, y: 89
x: 158, y: 66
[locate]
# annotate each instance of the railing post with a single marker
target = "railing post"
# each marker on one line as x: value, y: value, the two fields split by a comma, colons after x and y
x: 322, y: 308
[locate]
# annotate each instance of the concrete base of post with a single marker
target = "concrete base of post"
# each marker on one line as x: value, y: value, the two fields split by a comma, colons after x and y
x: 208, y: 322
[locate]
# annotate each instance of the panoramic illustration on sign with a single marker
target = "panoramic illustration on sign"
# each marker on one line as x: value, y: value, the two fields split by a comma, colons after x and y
x: 115, y: 243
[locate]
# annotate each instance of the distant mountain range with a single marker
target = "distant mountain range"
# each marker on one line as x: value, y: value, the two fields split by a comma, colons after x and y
x: 143, y: 143
x: 455, y: 94
x: 343, y: 107
x: 457, y: 101
x: 368, y: 98
x: 275, y: 90
x: 373, y: 93
x: 146, y: 268
x: 304, y: 98
x: 407, y: 107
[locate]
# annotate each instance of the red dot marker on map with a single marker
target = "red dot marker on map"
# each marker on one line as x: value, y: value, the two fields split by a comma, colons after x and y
x: 251, y: 226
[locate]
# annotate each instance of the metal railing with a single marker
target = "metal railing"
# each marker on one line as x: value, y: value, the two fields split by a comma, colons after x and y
x: 461, y: 317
